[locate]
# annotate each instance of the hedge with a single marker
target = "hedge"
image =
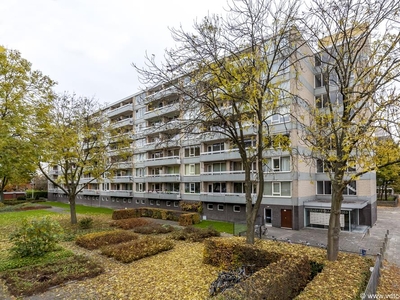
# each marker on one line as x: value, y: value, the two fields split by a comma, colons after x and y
x: 156, y: 213
x: 98, y: 239
x: 281, y: 280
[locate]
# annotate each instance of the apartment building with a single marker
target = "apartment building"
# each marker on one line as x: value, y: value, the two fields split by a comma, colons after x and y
x: 169, y: 167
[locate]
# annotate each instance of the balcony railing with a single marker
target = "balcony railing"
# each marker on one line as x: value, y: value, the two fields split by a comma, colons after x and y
x: 160, y: 94
x: 120, y: 110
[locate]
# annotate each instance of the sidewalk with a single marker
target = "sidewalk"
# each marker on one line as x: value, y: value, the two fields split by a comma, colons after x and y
x: 371, y: 241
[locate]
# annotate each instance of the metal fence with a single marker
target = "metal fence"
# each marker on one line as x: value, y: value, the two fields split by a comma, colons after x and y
x: 370, y: 291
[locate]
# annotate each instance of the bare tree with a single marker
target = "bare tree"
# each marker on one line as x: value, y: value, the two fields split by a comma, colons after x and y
x: 357, y: 65
x: 232, y: 73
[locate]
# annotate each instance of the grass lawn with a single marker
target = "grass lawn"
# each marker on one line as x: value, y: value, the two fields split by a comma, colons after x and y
x: 81, y: 209
x: 217, y: 225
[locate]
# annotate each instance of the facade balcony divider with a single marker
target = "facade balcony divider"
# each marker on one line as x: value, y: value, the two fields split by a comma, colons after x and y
x: 119, y: 179
x: 117, y: 193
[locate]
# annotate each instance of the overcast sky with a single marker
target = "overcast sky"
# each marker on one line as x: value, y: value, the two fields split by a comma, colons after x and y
x: 87, y: 46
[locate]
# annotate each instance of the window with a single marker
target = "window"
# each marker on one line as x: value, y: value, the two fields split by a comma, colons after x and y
x: 139, y: 187
x: 277, y: 164
x: 168, y: 203
x: 192, y: 151
x: 192, y: 169
x: 158, y: 202
x: 238, y: 187
x: 317, y: 60
x: 192, y: 187
x: 278, y: 189
x: 216, y: 147
x: 236, y: 208
x: 137, y: 201
x: 321, y: 80
x: 220, y: 207
x: 140, y: 172
x: 151, y: 202
x: 176, y: 204
x: 210, y: 206
x: 217, y: 187
x: 216, y: 168
x: 323, y: 166
x: 143, y: 201
x: 325, y: 188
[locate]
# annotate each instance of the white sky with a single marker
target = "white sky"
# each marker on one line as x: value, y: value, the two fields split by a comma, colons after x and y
x: 87, y: 46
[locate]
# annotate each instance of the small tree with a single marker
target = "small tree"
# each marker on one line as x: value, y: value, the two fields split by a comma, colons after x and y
x: 387, y: 152
x: 79, y: 141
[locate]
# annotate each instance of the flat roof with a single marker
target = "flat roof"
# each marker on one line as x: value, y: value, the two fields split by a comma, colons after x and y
x: 346, y: 204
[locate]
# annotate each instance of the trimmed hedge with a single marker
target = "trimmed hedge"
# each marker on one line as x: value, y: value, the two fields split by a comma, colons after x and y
x: 137, y: 249
x: 98, y: 239
x: 194, y: 234
x: 155, y: 213
x: 232, y: 253
x: 345, y: 278
x: 189, y: 219
x: 131, y: 223
x: 282, y: 280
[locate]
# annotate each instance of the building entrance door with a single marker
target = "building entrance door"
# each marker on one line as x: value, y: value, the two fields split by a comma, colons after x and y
x: 268, y: 216
x: 286, y: 218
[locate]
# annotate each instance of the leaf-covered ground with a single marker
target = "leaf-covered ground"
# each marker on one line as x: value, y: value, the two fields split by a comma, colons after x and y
x: 175, y: 274
x: 389, y: 284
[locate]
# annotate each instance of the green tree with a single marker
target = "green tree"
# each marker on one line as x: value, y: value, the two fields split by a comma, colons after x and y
x: 81, y: 142
x: 25, y: 98
x: 357, y: 63
x: 386, y: 174
x: 229, y: 73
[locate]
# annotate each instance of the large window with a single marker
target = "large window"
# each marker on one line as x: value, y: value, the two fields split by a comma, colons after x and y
x: 192, y: 169
x: 216, y: 147
x: 277, y: 164
x: 192, y: 187
x: 217, y: 187
x: 325, y: 188
x: 216, y: 167
x: 278, y: 188
x: 192, y: 151
x: 323, y: 167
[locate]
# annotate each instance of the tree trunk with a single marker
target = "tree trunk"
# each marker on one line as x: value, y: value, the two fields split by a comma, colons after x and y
x: 334, y: 222
x: 250, y: 220
x: 1, y: 196
x: 72, y: 209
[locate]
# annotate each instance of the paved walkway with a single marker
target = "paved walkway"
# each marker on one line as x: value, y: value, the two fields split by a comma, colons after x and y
x: 371, y: 241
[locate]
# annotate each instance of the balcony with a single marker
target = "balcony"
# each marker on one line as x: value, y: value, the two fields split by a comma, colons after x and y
x: 85, y: 180
x: 163, y: 178
x: 123, y: 165
x: 54, y: 172
x: 160, y: 94
x: 163, y: 195
x: 121, y: 179
x: 223, y: 198
x: 122, y: 123
x: 231, y: 154
x: 225, y: 176
x: 118, y: 193
x: 161, y: 111
x: 162, y: 161
x: 90, y: 192
x: 120, y: 110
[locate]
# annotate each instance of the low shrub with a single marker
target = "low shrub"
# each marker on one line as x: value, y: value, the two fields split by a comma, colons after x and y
x: 154, y: 228
x: 193, y: 206
x: 155, y: 213
x: 281, y: 280
x: 194, y: 234
x: 131, y: 223
x: 232, y: 253
x: 120, y: 214
x: 137, y: 249
x: 346, y: 276
x: 86, y: 223
x: 39, y: 278
x: 189, y: 219
x: 98, y: 239
x: 21, y: 198
x: 35, y: 237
